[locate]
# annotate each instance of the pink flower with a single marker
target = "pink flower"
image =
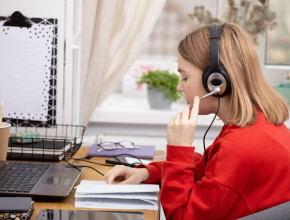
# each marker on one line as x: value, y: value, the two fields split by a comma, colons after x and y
x: 143, y: 69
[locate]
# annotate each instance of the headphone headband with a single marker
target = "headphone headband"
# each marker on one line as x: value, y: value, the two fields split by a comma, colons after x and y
x: 216, y: 31
x: 215, y: 34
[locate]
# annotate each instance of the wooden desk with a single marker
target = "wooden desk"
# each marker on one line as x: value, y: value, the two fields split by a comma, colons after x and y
x: 89, y: 174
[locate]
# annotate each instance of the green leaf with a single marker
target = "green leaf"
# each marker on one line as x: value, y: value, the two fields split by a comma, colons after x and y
x: 163, y: 80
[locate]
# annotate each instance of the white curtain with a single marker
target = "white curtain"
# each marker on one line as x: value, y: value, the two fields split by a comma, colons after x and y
x: 113, y: 34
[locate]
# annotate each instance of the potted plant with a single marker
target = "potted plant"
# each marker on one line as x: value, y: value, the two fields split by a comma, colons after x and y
x: 161, y: 87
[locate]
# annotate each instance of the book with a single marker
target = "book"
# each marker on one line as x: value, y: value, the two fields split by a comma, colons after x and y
x: 42, y: 146
x: 141, y: 151
x: 99, y: 194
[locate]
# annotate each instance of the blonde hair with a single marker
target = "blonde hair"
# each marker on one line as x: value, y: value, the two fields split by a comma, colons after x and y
x: 250, y: 90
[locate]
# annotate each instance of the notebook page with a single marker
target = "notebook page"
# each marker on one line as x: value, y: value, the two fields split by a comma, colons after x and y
x: 89, y: 187
x: 146, y: 196
x: 108, y: 203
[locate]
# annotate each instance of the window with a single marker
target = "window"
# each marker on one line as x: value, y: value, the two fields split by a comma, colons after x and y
x: 129, y: 104
x: 161, y: 47
x: 278, y: 40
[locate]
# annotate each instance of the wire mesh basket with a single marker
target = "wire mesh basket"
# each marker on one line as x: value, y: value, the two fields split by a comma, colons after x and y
x: 42, y: 141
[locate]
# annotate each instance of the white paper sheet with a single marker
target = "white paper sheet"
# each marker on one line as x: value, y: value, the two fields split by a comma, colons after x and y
x: 87, y: 186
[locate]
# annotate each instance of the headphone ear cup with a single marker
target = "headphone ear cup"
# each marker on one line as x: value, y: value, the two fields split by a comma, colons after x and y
x: 209, y: 78
x: 228, y: 87
x: 205, y: 76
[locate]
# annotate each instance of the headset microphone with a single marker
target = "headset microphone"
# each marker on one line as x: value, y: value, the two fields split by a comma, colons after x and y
x: 215, y: 91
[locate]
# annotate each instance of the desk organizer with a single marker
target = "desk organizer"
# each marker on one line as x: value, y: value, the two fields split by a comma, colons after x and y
x: 53, y: 142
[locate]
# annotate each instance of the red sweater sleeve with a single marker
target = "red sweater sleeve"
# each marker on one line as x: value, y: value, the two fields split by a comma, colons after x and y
x: 154, y: 169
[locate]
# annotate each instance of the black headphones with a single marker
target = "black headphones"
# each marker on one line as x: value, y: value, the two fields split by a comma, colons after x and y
x: 215, y: 77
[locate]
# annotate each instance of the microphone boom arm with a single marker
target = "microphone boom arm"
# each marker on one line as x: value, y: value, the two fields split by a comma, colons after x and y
x: 216, y: 90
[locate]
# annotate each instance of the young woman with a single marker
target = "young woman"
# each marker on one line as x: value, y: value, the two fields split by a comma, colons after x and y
x: 247, y: 168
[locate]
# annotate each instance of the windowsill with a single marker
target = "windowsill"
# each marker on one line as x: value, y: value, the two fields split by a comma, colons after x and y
x: 121, y: 109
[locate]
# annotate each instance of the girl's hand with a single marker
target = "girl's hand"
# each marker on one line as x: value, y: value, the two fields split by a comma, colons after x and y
x: 121, y: 174
x: 181, y: 128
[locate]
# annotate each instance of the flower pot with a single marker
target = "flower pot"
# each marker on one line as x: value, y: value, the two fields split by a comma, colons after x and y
x: 157, y: 100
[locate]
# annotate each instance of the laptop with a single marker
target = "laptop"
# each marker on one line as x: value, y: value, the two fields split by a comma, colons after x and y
x: 37, y: 180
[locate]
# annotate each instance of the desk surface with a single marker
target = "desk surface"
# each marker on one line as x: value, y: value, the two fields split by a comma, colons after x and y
x: 89, y: 174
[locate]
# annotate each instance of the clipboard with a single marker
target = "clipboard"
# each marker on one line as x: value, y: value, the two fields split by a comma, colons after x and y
x: 32, y: 30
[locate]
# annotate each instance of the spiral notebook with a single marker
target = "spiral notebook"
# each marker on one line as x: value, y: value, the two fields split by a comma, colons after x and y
x: 98, y: 194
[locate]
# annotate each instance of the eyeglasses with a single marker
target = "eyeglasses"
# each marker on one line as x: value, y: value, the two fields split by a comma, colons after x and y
x: 109, y: 145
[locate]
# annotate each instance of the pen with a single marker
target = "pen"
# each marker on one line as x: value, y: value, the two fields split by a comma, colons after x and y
x: 1, y: 113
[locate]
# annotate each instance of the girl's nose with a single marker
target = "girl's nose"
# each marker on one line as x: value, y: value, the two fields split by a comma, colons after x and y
x: 179, y: 87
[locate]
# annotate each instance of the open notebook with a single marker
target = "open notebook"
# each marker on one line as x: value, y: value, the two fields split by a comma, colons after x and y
x: 98, y: 194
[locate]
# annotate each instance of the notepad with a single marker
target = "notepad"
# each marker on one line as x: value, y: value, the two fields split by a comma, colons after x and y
x: 98, y: 194
x: 142, y: 151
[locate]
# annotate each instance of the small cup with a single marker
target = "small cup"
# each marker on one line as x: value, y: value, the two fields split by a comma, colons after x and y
x: 4, y: 138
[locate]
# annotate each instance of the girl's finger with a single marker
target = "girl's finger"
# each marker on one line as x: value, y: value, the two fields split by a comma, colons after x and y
x: 177, y: 118
x: 114, y: 176
x: 194, y: 110
x: 130, y: 180
x: 109, y: 173
x: 171, y: 122
x: 115, y: 172
x: 186, y: 113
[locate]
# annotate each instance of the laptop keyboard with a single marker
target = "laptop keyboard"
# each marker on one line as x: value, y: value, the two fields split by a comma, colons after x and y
x: 20, y: 177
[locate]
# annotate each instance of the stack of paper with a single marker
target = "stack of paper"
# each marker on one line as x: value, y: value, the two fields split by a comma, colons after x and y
x: 98, y: 194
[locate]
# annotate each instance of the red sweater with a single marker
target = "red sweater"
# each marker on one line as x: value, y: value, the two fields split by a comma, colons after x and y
x: 248, y: 170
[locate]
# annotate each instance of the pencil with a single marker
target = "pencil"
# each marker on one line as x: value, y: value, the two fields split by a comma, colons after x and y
x: 1, y: 113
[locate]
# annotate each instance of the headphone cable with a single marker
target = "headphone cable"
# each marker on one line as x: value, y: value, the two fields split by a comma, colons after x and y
x: 205, y: 156
x: 84, y: 159
x: 85, y: 166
